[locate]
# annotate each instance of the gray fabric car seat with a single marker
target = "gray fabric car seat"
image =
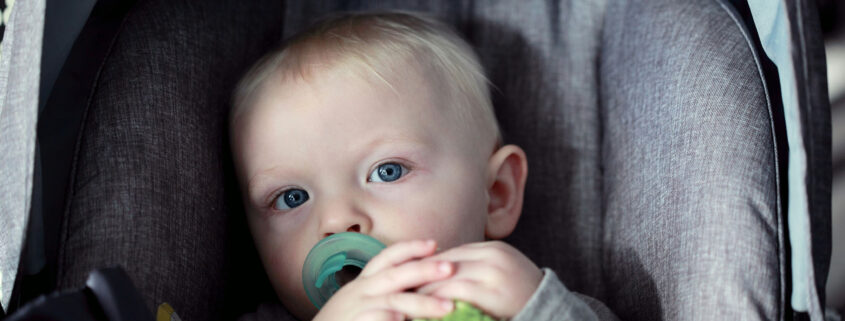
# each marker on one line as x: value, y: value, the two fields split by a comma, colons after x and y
x: 655, y: 184
x: 133, y: 146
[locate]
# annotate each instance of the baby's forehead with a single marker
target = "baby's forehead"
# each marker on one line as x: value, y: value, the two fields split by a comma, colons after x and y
x: 407, y: 86
x: 404, y: 84
x: 340, y: 88
x: 386, y: 73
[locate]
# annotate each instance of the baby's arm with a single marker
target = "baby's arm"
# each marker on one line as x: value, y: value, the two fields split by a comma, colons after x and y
x: 504, y: 283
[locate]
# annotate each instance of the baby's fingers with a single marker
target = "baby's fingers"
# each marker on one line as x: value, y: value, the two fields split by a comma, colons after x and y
x: 380, y: 315
x: 407, y: 276
x: 415, y: 305
x: 473, y: 292
x: 397, y: 254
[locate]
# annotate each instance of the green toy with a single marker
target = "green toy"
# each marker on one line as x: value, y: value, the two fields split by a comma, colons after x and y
x: 463, y: 312
x: 335, y: 259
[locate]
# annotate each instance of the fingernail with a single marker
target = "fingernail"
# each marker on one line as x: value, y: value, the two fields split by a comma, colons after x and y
x: 429, y: 243
x: 447, y: 305
x: 445, y: 267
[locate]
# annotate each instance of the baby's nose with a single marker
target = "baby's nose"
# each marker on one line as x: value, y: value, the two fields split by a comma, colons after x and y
x: 354, y: 228
x: 340, y: 216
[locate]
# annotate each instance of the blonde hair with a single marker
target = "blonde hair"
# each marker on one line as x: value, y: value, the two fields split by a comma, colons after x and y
x: 375, y: 44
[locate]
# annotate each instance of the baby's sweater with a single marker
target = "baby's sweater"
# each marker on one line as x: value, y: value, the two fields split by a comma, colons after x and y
x: 551, y: 301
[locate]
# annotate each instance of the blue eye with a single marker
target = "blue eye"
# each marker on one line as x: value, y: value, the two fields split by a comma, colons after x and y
x: 387, y: 172
x: 290, y: 199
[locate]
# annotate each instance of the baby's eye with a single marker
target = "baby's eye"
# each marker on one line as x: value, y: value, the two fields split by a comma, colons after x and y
x: 290, y: 198
x: 387, y: 172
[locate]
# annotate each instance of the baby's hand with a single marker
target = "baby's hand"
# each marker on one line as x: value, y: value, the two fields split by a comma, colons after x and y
x: 379, y: 292
x: 492, y: 276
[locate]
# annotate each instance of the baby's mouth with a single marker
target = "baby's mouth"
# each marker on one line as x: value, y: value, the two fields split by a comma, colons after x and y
x: 347, y: 274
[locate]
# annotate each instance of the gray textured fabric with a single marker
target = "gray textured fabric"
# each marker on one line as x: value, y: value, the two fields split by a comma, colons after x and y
x: 692, y: 225
x: 149, y: 189
x: 20, y: 62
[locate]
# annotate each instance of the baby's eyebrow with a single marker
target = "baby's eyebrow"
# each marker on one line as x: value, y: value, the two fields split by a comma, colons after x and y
x: 402, y: 139
x: 402, y: 143
x: 258, y: 183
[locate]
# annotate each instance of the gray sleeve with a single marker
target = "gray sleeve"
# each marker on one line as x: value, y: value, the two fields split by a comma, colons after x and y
x: 553, y: 301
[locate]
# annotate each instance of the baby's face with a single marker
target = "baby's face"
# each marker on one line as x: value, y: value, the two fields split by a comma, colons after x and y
x: 340, y: 153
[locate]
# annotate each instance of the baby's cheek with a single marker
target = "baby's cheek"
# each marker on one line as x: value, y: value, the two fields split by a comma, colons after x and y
x: 276, y: 270
x: 461, y: 226
x: 285, y: 275
x: 467, y: 213
x: 280, y: 260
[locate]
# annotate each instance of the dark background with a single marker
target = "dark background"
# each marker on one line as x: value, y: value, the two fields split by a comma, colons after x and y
x: 833, y: 25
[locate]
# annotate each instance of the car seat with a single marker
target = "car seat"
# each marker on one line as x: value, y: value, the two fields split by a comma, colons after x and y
x: 654, y: 131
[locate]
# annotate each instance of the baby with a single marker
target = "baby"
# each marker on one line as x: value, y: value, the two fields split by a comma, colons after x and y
x: 382, y: 124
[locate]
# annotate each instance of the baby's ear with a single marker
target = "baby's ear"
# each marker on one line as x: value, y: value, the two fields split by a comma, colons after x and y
x: 507, y: 170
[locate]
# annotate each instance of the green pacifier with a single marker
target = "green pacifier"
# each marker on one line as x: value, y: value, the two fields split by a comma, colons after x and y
x: 335, y: 261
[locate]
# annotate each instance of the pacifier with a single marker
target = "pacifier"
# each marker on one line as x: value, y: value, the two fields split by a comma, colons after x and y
x: 335, y: 261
